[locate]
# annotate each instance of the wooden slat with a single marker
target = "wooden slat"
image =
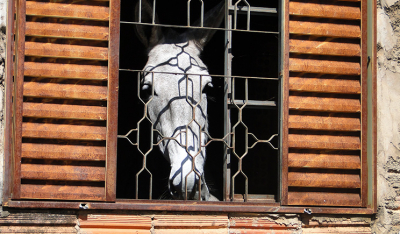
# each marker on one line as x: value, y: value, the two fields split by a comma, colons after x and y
x: 65, y: 51
x: 88, y: 32
x: 330, y: 142
x: 62, y: 172
x: 332, y: 161
x: 324, y: 180
x: 65, y: 91
x: 62, y: 111
x: 324, y: 66
x: 324, y: 104
x: 324, y: 29
x: 307, y: 122
x: 63, y: 152
x: 324, y: 48
x: 67, y: 10
x: 63, y: 131
x: 324, y: 199
x: 62, y: 192
x: 311, y: 9
x: 74, y: 71
x: 306, y: 84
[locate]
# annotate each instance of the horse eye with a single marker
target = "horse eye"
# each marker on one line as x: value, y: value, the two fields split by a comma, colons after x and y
x: 207, y: 88
x: 146, y: 91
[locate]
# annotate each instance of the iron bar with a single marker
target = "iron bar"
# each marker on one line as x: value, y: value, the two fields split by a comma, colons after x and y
x: 212, y: 75
x: 255, y: 10
x: 196, y: 27
x: 248, y: 14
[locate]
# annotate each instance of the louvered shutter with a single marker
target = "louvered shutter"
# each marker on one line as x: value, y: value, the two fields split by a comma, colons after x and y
x: 324, y: 153
x: 65, y: 99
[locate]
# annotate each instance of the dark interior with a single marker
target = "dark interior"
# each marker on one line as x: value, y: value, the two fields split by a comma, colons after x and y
x: 255, y: 55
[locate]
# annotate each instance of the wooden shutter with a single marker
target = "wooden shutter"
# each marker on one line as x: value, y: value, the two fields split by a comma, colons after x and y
x: 65, y: 99
x: 324, y: 153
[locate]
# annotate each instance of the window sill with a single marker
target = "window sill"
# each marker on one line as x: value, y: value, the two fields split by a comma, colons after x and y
x: 158, y: 205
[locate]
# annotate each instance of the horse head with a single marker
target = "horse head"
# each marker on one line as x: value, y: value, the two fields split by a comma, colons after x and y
x: 175, y: 79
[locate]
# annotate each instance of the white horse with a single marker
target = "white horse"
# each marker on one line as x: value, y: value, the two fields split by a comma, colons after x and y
x: 175, y: 78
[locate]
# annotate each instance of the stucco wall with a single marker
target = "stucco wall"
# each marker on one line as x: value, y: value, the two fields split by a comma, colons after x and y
x: 388, y: 218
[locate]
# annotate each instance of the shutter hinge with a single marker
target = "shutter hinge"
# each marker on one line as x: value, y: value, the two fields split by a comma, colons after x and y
x: 368, y: 61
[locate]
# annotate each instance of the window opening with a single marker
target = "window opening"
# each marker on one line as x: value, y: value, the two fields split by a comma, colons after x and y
x: 242, y: 105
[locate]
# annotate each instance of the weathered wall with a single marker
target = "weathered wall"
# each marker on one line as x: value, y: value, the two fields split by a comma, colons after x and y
x: 3, y: 7
x: 388, y: 218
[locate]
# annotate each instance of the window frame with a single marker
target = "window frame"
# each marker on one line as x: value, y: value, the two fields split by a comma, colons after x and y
x: 369, y: 144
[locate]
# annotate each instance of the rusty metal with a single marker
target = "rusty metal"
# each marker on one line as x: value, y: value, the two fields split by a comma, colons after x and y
x: 75, y: 11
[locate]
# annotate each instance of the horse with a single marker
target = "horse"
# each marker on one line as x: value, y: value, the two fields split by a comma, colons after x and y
x: 176, y: 80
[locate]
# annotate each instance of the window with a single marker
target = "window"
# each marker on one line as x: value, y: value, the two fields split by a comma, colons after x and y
x: 307, y: 75
x: 255, y: 78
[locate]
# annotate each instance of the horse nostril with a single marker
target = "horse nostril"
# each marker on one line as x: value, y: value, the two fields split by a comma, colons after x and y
x: 175, y: 193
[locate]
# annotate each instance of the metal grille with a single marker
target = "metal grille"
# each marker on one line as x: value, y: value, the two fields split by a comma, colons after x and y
x: 240, y: 91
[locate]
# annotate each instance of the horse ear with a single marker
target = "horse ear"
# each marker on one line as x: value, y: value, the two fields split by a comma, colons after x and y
x: 212, y: 19
x: 148, y: 35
